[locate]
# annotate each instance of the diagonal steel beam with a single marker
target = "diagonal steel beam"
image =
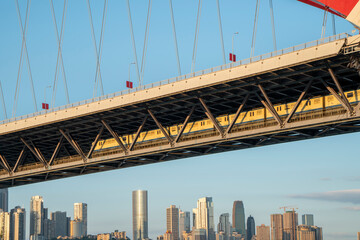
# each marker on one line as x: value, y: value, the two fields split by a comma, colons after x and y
x: 35, y: 151
x: 184, y: 124
x: 342, y: 94
x: 162, y: 129
x: 297, y: 104
x: 138, y: 133
x: 237, y: 114
x: 4, y: 163
x: 343, y: 102
x: 93, y: 146
x: 20, y: 159
x: 211, y: 117
x: 73, y: 144
x: 269, y: 106
x: 114, y: 135
x: 57, y: 150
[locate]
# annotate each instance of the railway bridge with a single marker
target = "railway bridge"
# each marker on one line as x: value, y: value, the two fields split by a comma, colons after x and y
x: 62, y: 142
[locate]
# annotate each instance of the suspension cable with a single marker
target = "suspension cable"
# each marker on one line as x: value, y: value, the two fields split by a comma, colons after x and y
x: 59, y: 55
x: 221, y: 31
x: 24, y: 47
x: 3, y: 101
x: 273, y: 23
x: 323, y: 30
x: 133, y: 43
x: 255, y: 28
x: 101, y: 45
x: 175, y: 38
x: 143, y: 59
x: 196, y: 36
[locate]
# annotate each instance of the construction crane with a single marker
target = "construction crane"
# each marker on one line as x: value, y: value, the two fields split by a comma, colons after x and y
x: 293, y: 218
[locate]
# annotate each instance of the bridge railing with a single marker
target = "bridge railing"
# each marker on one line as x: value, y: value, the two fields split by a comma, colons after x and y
x: 189, y: 75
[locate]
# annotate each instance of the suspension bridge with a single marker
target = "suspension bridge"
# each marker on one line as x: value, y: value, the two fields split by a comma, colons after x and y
x: 302, y: 92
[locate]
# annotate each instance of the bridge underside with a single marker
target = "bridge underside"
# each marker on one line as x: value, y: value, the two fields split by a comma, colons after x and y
x: 64, y: 149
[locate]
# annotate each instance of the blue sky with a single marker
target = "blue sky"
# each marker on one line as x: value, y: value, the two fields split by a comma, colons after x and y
x: 314, y: 175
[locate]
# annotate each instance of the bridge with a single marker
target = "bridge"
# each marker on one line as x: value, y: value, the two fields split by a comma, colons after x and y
x: 62, y: 142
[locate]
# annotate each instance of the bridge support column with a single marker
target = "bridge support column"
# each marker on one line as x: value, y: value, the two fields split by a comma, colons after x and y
x: 209, y: 115
x: 36, y: 152
x: 74, y: 144
x: 4, y: 163
x: 162, y: 129
x: 342, y: 100
x: 184, y: 125
x: 114, y: 135
x: 138, y: 133
x: 269, y: 106
x: 237, y: 114
x: 20, y: 159
x: 95, y: 142
x: 56, y: 151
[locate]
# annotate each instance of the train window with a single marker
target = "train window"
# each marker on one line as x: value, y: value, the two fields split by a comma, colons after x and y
x: 158, y: 131
x: 278, y: 108
x: 252, y: 114
x: 349, y: 95
x: 308, y: 103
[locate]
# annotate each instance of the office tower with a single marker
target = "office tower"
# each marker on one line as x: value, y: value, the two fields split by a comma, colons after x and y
x: 308, y: 219
x: 199, y: 234
x: 4, y: 199
x: 358, y: 236
x: 140, y: 214
x: 59, y: 220
x: 80, y: 213
x: 184, y: 223
x: 4, y: 225
x: 76, y: 228
x: 168, y: 236
x: 306, y: 232
x: 224, y: 226
x: 250, y: 228
x: 262, y: 232
x: 238, y: 217
x: 17, y: 223
x: 290, y: 219
x: 205, y: 217
x: 49, y: 229
x: 172, y: 221
x: 277, y: 226
x: 68, y: 226
x: 36, y: 217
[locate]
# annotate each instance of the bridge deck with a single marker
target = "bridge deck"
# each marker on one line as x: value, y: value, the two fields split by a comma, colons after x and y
x: 56, y: 144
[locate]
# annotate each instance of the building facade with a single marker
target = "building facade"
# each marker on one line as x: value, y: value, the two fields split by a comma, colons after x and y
x: 4, y: 199
x: 76, y: 228
x: 224, y: 226
x: 36, y: 217
x: 140, y: 214
x: 306, y: 232
x: 262, y: 232
x: 250, y: 228
x: 80, y: 213
x: 184, y: 223
x: 290, y: 219
x: 238, y: 217
x: 60, y: 222
x: 172, y: 221
x: 277, y: 226
x: 308, y: 219
x: 204, y: 217
x: 4, y: 225
x: 17, y: 223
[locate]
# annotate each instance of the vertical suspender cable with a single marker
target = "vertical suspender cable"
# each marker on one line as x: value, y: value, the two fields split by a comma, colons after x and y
x: 59, y: 55
x: 255, y: 28
x: 221, y: 31
x: 196, y: 36
x: 24, y: 47
x: 323, y: 30
x: 3, y: 101
x: 175, y: 38
x: 143, y: 59
x: 101, y: 47
x: 273, y: 23
x: 333, y: 24
x: 133, y: 43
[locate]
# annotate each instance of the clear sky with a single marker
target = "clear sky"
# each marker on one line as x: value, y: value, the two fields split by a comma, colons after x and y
x: 318, y: 176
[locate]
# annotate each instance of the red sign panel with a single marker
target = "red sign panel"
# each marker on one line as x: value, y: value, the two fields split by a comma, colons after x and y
x: 129, y: 84
x: 45, y: 106
x: 232, y: 57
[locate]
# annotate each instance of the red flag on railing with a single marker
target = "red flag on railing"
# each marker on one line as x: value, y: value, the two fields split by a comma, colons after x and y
x: 45, y: 106
x: 232, y: 57
x: 129, y: 84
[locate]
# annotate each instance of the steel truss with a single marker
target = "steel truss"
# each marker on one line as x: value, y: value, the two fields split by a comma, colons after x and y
x: 68, y: 148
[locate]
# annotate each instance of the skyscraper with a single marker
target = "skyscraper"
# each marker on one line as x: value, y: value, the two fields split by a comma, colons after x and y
x: 224, y: 225
x: 60, y: 223
x: 17, y: 223
x: 263, y: 232
x: 205, y: 217
x: 308, y: 219
x: 358, y: 236
x: 290, y: 219
x: 4, y: 199
x: 80, y: 213
x: 36, y: 217
x: 4, y: 225
x: 140, y: 214
x: 305, y: 232
x: 277, y: 227
x: 172, y: 221
x: 238, y: 217
x: 184, y: 223
x: 250, y: 228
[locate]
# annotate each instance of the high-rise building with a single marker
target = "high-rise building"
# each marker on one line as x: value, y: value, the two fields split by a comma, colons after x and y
x: 277, y: 226
x: 220, y: 236
x: 4, y: 225
x: 250, y: 228
x: 49, y: 229
x: 184, y: 223
x: 172, y: 221
x: 60, y: 223
x: 205, y: 217
x: 80, y: 213
x: 36, y: 217
x: 4, y: 199
x: 358, y: 236
x: 17, y: 223
x: 199, y: 234
x: 308, y: 219
x: 290, y: 219
x: 119, y: 235
x: 238, y: 217
x: 76, y: 228
x: 224, y: 226
x: 262, y: 232
x: 306, y: 232
x: 140, y: 214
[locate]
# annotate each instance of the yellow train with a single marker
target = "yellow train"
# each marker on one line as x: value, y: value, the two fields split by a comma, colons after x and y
x: 258, y: 114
